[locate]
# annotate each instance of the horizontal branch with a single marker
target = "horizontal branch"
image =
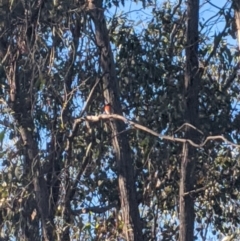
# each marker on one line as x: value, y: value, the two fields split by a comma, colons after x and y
x: 146, y: 129
x: 95, y: 209
x: 196, y: 191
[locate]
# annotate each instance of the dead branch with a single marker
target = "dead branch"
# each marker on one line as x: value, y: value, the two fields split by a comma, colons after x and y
x: 196, y: 191
x: 146, y: 129
x: 189, y: 125
x: 96, y: 209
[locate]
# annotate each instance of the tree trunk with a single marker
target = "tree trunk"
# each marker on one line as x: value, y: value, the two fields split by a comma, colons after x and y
x: 126, y: 183
x: 236, y: 6
x: 186, y: 205
x: 20, y: 103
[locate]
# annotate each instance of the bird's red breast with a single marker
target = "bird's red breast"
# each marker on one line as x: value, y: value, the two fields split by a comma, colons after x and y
x: 108, y: 109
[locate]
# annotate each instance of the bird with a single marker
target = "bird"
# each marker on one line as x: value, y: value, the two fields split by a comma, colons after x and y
x: 108, y: 109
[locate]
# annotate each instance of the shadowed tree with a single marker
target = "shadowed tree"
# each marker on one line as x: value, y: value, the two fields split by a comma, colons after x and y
x: 191, y: 93
x: 164, y: 156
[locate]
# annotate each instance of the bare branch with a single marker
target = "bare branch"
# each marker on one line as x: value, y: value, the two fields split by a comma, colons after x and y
x: 196, y: 191
x: 146, y: 129
x: 187, y: 124
x: 96, y: 209
x: 88, y: 101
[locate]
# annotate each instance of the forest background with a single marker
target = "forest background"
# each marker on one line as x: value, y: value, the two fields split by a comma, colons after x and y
x: 164, y: 165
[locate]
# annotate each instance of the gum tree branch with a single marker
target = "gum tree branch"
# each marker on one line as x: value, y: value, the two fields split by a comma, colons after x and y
x: 154, y: 133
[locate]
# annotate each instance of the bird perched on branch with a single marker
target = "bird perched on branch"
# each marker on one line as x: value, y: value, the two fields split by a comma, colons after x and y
x: 108, y: 109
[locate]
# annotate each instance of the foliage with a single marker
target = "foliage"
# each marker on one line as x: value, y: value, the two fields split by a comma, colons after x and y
x: 49, y: 65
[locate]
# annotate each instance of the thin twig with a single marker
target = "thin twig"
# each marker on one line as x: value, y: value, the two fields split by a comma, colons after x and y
x: 195, y: 191
x: 89, y: 97
x: 187, y: 124
x: 96, y: 209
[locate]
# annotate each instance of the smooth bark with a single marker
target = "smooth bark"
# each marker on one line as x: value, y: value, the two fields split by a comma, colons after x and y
x: 186, y: 204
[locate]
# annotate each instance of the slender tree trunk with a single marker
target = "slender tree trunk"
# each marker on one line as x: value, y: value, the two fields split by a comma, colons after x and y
x: 25, y: 125
x: 20, y: 102
x: 187, y: 215
x: 126, y: 183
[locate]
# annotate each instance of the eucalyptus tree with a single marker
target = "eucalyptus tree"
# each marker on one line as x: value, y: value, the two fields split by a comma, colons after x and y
x: 70, y: 172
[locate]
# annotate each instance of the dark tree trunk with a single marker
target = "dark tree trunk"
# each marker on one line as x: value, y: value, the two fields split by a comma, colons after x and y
x: 21, y: 106
x: 187, y: 215
x: 126, y: 183
x: 20, y: 82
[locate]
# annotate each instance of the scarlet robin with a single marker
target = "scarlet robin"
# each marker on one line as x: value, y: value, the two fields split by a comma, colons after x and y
x: 108, y: 109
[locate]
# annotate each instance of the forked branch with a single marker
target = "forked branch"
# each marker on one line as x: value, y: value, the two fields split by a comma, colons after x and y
x: 148, y: 130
